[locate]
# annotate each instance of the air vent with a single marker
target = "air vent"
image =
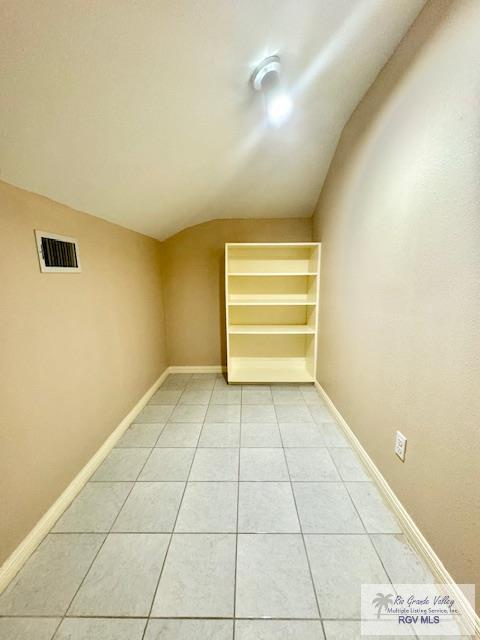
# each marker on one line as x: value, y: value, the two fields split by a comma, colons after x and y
x: 57, y: 254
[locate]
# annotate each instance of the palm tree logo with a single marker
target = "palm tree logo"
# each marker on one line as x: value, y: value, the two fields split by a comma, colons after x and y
x: 382, y: 602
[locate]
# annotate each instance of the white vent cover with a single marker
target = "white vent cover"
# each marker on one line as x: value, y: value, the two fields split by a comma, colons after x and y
x: 57, y: 254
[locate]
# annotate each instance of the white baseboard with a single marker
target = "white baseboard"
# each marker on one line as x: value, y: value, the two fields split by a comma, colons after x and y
x: 208, y: 368
x: 412, y: 532
x: 17, y: 559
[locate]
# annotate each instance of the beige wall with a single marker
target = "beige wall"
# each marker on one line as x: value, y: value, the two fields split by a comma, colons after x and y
x: 399, y: 219
x: 194, y: 282
x: 77, y: 350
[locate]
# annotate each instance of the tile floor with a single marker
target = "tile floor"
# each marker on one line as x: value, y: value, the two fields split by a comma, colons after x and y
x: 223, y: 512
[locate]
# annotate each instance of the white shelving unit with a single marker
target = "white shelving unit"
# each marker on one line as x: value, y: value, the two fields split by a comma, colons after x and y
x: 272, y: 292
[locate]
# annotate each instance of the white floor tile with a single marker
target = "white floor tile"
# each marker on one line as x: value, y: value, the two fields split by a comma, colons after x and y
x: 293, y: 413
x: 166, y: 396
x: 189, y: 630
x: 320, y: 413
x: 325, y: 507
x: 212, y: 376
x: 267, y: 507
x: 48, y: 581
x: 208, y: 507
x: 257, y: 395
x: 258, y: 413
x: 263, y: 464
x: 28, y: 628
x: 333, y: 435
x: 199, y: 384
x: 401, y: 562
x: 348, y: 465
x: 178, y: 378
x: 180, y: 434
x: 223, y: 413
x: 95, y: 508
x: 221, y: 383
x: 278, y: 630
x: 215, y: 464
x: 273, y: 579
x: 226, y: 396
x: 375, y: 514
x: 350, y: 630
x: 123, y: 577
x: 311, y: 396
x: 141, y: 435
x: 287, y: 396
x: 195, y: 397
x: 188, y: 413
x: 310, y: 465
x: 121, y: 465
x: 168, y: 464
x: 198, y: 577
x: 255, y: 387
x: 101, y: 629
x: 260, y: 434
x: 301, y: 434
x: 220, y: 434
x: 340, y: 565
x: 155, y: 413
x: 176, y: 381
x: 150, y: 508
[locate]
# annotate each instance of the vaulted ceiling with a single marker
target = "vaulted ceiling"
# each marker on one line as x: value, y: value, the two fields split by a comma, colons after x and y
x: 140, y: 112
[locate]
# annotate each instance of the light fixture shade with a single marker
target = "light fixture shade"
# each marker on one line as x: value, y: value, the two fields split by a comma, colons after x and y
x: 266, y: 79
x: 279, y: 108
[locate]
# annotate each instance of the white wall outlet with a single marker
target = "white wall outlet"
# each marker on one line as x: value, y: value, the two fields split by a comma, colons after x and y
x: 400, y: 445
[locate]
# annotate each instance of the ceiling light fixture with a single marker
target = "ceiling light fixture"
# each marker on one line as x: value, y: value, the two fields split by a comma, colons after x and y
x: 266, y: 78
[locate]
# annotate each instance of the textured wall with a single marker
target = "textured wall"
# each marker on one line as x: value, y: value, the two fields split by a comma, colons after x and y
x: 77, y: 350
x: 399, y: 219
x: 194, y: 266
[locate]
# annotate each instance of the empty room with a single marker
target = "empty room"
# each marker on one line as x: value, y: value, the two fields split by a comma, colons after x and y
x: 239, y: 319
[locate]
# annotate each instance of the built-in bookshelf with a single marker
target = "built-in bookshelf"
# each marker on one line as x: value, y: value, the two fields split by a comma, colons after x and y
x: 272, y: 292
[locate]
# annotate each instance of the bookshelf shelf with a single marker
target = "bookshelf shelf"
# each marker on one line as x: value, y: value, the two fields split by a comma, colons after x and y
x: 272, y: 329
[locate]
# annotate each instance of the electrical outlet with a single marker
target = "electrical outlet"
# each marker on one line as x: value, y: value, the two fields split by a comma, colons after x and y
x: 400, y: 445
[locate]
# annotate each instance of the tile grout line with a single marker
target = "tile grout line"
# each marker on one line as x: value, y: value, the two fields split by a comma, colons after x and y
x: 57, y: 628
x: 65, y: 615
x: 207, y: 481
x: 231, y: 447
x: 106, y: 534
x: 366, y: 532
x: 236, y: 528
x: 196, y: 448
x: 105, y: 617
x: 175, y: 521
x: 199, y: 533
x: 301, y: 533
